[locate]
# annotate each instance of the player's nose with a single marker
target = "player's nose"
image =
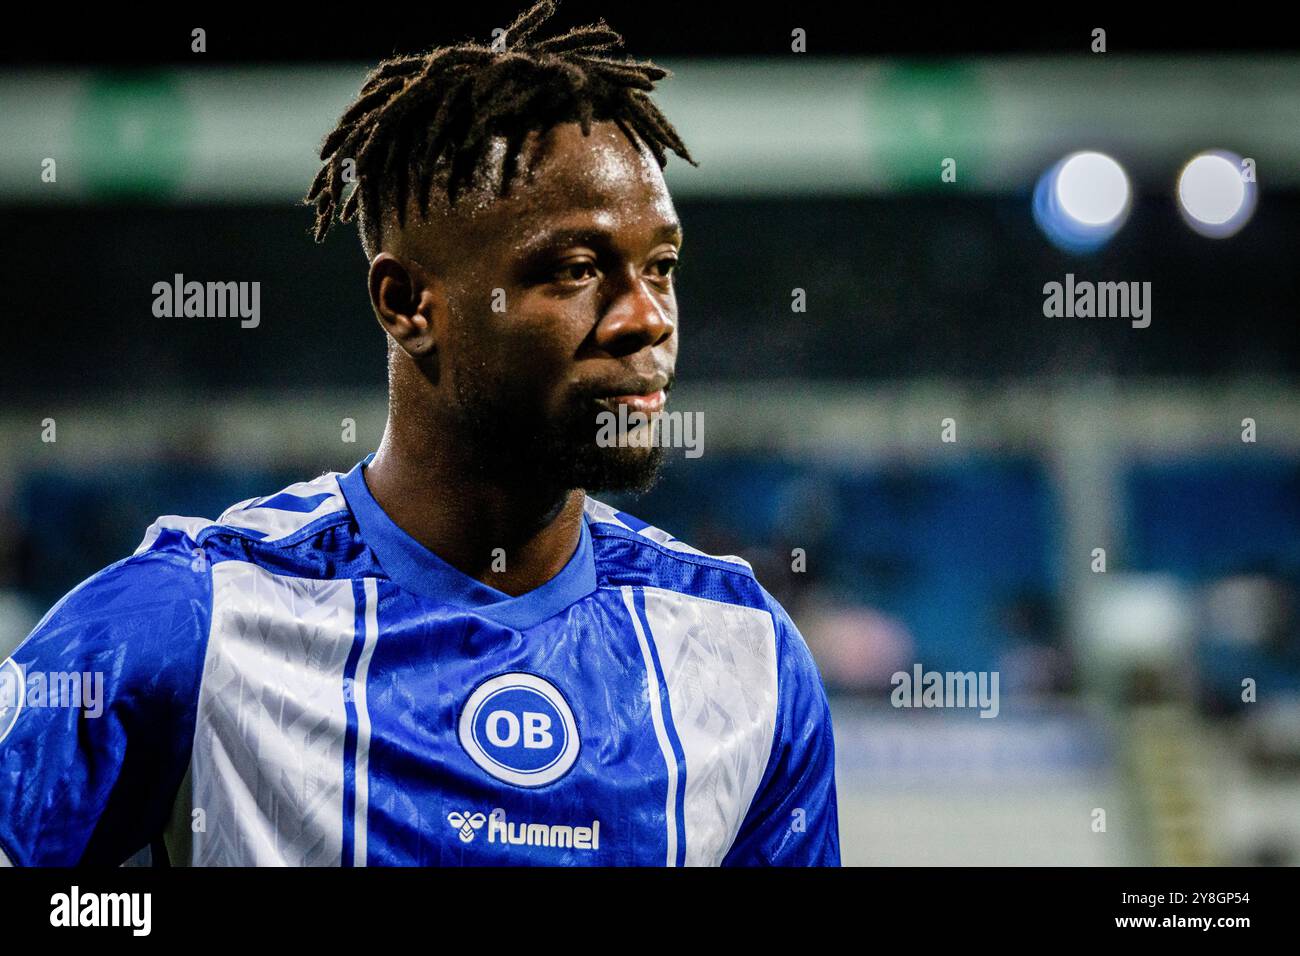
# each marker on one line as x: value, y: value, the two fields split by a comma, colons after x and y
x: 638, y: 317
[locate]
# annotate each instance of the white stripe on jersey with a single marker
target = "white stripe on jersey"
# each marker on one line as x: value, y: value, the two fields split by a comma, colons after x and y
x: 602, y: 513
x: 272, y: 523
x: 719, y: 662
x: 275, y: 523
x: 269, y: 736
x: 191, y: 527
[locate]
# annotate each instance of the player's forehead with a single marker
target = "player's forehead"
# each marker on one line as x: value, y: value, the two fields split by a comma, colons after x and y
x: 564, y: 183
x: 596, y: 169
x: 566, y: 179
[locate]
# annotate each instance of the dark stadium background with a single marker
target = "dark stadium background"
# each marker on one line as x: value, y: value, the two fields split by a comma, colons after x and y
x: 1119, y: 691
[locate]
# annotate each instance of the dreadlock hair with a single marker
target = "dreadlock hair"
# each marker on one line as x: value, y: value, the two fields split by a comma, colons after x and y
x: 433, y: 117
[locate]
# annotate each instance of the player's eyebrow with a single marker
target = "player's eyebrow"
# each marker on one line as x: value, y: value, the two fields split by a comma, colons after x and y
x: 562, y: 238
x: 669, y: 231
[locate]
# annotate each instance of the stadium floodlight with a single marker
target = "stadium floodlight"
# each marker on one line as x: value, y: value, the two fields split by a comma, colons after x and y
x: 1217, y: 193
x: 1082, y: 201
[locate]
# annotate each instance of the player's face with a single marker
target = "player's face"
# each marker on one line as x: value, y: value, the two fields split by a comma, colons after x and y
x: 564, y: 308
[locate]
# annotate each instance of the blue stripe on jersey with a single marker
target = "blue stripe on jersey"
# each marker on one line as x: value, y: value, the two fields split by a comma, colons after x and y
x: 288, y: 502
x: 633, y: 522
x: 638, y: 600
x: 350, y: 737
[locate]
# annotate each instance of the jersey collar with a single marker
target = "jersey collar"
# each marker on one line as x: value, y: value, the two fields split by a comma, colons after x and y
x: 415, y: 568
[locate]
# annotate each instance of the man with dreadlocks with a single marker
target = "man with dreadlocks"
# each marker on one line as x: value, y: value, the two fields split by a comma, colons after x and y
x: 451, y: 654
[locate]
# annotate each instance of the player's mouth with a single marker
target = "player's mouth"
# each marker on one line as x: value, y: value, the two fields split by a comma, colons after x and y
x: 647, y: 403
x: 648, y: 395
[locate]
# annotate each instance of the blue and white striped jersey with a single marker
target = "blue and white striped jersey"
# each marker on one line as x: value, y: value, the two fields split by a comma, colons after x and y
x: 300, y: 682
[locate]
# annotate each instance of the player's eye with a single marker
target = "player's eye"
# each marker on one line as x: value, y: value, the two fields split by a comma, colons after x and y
x: 666, y: 267
x: 574, y: 272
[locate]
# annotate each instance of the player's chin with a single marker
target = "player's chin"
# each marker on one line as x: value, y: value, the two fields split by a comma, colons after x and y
x: 624, y: 469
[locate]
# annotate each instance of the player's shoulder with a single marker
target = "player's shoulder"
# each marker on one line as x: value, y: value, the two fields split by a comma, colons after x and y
x: 305, y: 529
x: 632, y: 552
x: 164, y: 588
x: 606, y: 521
x: 280, y: 518
x: 172, y: 563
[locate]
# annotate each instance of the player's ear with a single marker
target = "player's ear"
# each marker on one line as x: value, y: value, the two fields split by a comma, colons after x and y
x: 409, y: 303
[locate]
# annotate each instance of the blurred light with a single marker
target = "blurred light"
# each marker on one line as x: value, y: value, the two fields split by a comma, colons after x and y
x: 1082, y: 201
x: 1134, y: 619
x: 1215, y: 199
x: 1092, y: 188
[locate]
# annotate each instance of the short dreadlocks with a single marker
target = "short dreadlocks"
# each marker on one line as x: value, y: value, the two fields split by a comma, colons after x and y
x: 432, y: 117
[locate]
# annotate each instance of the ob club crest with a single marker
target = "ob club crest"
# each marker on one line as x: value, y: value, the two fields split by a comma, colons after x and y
x: 519, y: 728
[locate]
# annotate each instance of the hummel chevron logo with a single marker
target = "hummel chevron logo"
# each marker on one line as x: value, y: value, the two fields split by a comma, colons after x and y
x: 466, y: 824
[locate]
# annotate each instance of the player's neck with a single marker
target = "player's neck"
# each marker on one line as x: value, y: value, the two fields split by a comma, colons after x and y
x: 514, y: 539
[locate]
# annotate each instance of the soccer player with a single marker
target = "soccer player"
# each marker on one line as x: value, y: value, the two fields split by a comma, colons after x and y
x: 449, y: 654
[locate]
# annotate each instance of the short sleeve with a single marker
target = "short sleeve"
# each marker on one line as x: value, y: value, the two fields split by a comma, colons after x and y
x: 793, y: 819
x: 97, y: 710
